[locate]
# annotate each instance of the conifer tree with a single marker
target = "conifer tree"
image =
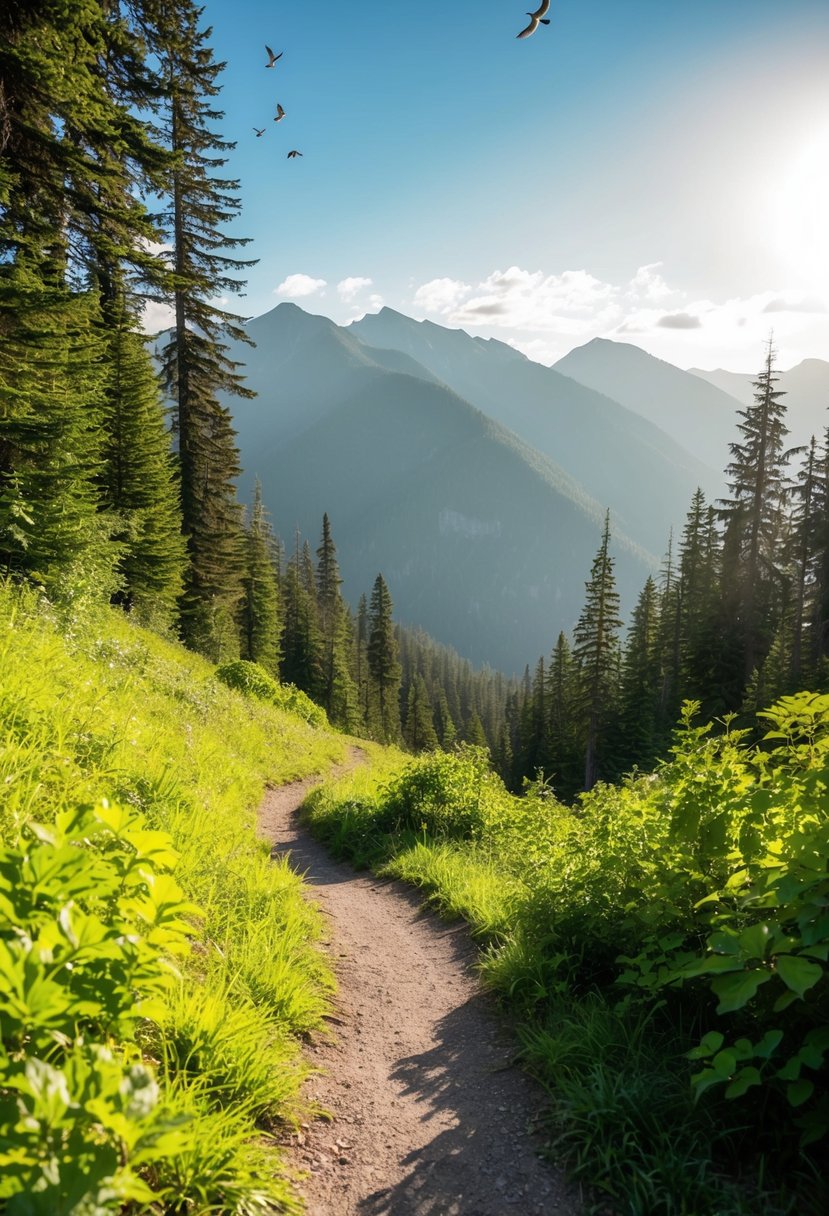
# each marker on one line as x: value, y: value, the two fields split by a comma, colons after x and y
x: 196, y: 363
x: 808, y: 523
x: 338, y: 691
x: 302, y: 658
x: 534, y: 737
x: 50, y: 438
x: 138, y: 478
x: 596, y: 652
x: 261, y: 623
x: 819, y: 616
x: 564, y: 764
x: 361, y: 669
x: 383, y: 661
x: 638, y: 718
x: 474, y: 732
x: 447, y: 731
x: 754, y: 514
x: 419, y: 730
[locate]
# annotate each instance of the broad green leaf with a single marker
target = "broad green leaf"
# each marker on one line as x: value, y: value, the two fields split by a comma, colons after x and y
x: 709, y: 1046
x: 799, y: 1092
x: 745, y: 1079
x: 735, y: 991
x: 797, y: 973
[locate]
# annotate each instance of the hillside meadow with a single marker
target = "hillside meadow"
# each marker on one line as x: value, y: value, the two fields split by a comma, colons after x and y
x: 157, y: 969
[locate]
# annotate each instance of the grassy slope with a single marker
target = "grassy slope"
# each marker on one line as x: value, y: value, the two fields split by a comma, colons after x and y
x: 100, y: 710
x: 554, y: 898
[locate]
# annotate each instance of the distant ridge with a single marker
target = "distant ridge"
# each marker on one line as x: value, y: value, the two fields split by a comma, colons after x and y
x: 702, y: 417
x: 622, y: 460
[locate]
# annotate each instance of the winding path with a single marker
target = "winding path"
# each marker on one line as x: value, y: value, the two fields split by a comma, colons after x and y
x: 429, y: 1118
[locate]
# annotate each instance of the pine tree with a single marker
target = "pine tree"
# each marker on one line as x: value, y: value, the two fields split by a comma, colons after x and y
x: 474, y: 732
x: 196, y: 363
x: 50, y: 439
x: 138, y: 479
x: 565, y: 757
x: 638, y: 736
x: 302, y: 658
x: 261, y: 623
x: 447, y: 731
x: 419, y: 730
x: 754, y: 515
x: 383, y: 662
x: 596, y: 652
x: 808, y: 523
x: 819, y: 615
x: 338, y: 691
x: 360, y: 664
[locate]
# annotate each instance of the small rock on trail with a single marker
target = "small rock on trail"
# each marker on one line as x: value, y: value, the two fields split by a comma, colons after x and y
x: 428, y: 1118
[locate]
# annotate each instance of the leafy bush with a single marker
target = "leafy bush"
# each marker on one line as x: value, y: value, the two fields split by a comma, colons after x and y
x: 91, y: 925
x: 252, y: 680
x: 693, y: 901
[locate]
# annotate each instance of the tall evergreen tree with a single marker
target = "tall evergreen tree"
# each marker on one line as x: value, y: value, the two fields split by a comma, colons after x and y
x: 138, y: 478
x: 261, y: 618
x: 754, y: 514
x: 338, y: 690
x: 564, y: 762
x: 383, y: 661
x: 637, y: 733
x: 808, y: 524
x: 596, y: 652
x: 302, y: 658
x: 196, y: 362
x: 52, y: 388
x: 419, y: 729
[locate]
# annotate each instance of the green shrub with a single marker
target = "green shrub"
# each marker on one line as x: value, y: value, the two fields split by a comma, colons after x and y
x: 91, y: 926
x: 252, y: 680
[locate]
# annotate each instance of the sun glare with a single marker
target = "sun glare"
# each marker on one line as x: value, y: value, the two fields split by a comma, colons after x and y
x: 801, y: 208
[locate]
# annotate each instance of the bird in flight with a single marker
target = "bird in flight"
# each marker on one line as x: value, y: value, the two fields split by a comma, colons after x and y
x: 259, y: 133
x: 293, y: 152
x: 280, y: 113
x: 537, y: 18
x: 273, y: 58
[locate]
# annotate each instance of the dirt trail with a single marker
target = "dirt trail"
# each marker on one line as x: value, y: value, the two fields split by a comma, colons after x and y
x: 429, y: 1118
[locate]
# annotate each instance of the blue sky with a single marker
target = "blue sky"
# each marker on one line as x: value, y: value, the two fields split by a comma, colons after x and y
x: 652, y: 171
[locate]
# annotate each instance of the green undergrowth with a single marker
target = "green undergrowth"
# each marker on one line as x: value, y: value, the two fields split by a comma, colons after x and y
x: 157, y: 969
x: 661, y: 947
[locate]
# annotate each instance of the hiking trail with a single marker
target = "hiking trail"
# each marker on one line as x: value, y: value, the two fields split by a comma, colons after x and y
x: 429, y: 1116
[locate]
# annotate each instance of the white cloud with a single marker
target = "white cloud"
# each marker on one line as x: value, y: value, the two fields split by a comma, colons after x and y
x: 348, y: 288
x: 440, y: 295
x: 298, y: 285
x: 156, y: 316
x: 648, y: 285
x: 375, y: 302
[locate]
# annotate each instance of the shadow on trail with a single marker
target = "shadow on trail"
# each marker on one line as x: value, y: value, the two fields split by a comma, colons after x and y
x: 462, y: 1170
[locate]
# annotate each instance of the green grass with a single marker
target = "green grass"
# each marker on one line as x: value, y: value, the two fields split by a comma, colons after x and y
x: 96, y: 709
x: 589, y: 919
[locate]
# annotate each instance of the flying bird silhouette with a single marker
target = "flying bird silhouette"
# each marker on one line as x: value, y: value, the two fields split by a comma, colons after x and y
x: 537, y: 18
x: 273, y: 58
x: 293, y: 152
x: 259, y: 133
x: 280, y: 113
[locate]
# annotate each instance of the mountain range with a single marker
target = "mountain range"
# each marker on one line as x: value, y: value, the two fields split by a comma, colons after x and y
x: 475, y: 479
